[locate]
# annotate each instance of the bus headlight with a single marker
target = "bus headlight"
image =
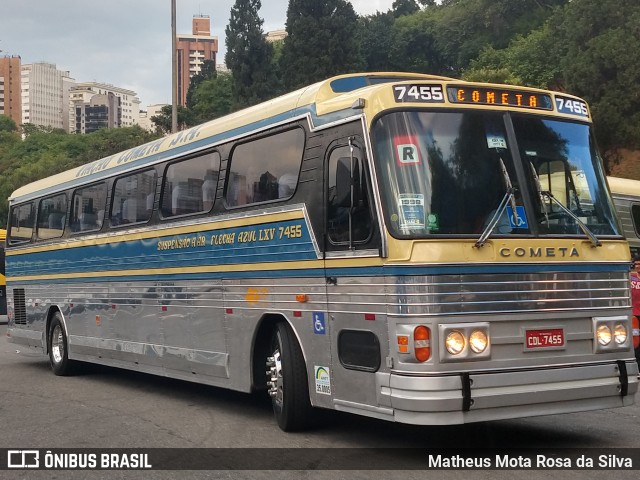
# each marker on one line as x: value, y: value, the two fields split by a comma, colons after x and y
x: 620, y: 333
x: 455, y: 343
x: 611, y: 334
x: 478, y: 341
x: 603, y: 334
x: 464, y: 342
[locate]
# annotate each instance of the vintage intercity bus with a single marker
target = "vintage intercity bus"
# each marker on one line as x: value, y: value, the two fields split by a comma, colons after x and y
x: 626, y: 198
x: 408, y: 247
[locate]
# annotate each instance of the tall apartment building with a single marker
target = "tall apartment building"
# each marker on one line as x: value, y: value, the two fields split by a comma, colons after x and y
x: 42, y: 95
x: 101, y: 111
x: 124, y: 105
x: 10, y: 72
x: 1, y: 95
x: 192, y: 51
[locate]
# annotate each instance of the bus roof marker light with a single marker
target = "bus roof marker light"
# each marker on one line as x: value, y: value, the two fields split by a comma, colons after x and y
x: 359, y: 104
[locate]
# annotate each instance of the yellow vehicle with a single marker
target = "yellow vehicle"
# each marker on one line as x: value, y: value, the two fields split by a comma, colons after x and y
x: 409, y: 247
x: 626, y: 197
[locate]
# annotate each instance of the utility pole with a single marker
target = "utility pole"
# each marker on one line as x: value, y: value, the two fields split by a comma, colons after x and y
x: 174, y: 71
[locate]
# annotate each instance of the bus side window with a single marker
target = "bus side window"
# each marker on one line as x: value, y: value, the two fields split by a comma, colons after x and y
x: 348, y: 205
x: 51, y: 216
x: 129, y: 204
x: 87, y: 208
x: 21, y: 227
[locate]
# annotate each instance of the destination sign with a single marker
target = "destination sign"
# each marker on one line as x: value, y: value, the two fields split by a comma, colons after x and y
x: 499, y: 96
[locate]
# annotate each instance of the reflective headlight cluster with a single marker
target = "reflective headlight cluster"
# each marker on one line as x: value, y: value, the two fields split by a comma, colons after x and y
x: 611, y: 333
x: 464, y: 341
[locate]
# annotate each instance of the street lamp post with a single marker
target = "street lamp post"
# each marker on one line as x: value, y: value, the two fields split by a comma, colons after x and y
x: 174, y: 71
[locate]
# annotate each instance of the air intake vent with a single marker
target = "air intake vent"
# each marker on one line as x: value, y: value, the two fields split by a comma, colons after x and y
x: 19, y: 307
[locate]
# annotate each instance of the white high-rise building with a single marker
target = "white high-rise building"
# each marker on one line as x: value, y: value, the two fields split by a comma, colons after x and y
x: 68, y: 115
x: 42, y: 95
x: 148, y: 114
x: 129, y: 103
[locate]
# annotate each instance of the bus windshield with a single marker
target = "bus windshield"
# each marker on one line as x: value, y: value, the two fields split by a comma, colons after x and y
x: 454, y: 173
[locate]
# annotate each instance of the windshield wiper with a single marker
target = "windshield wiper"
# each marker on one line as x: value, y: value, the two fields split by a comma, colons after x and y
x: 594, y: 240
x: 536, y: 182
x: 509, y: 197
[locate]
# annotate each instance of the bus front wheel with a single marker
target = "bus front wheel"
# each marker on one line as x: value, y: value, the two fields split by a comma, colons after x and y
x: 58, y: 347
x: 287, y: 381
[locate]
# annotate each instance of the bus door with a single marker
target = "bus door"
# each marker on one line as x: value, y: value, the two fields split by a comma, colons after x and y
x: 355, y: 292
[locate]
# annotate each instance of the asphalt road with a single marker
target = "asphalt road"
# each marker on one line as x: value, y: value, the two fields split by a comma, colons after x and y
x: 110, y: 408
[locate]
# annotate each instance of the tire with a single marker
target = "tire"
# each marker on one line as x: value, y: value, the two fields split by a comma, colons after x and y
x: 58, y: 348
x: 287, y: 381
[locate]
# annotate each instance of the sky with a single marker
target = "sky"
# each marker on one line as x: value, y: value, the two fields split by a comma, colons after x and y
x: 126, y: 43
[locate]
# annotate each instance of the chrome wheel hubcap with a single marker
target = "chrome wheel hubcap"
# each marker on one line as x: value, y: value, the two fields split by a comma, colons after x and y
x: 57, y: 344
x: 274, y: 377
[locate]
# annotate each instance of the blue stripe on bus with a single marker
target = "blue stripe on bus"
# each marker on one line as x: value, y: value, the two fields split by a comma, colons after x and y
x: 286, y: 271
x: 274, y: 242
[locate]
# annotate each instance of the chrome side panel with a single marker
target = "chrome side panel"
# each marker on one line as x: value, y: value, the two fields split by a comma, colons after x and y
x: 356, y: 303
x: 248, y: 302
x: 204, y: 331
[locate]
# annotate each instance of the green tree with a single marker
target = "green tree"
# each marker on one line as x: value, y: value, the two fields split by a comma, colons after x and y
x: 162, y: 121
x: 463, y: 28
x: 414, y: 46
x: 7, y: 124
x: 207, y: 72
x: 249, y: 55
x: 375, y: 41
x: 213, y: 98
x: 601, y: 39
x: 533, y: 60
x: 322, y: 41
x: 401, y: 8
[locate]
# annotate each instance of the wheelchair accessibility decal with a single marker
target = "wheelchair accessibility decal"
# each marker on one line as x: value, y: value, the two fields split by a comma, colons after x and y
x: 519, y: 220
x: 318, y: 323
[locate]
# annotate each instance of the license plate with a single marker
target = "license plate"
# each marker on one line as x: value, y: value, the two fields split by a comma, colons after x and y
x: 553, y: 337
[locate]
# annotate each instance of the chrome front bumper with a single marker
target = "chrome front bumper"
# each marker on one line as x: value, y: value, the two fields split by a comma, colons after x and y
x: 476, y: 397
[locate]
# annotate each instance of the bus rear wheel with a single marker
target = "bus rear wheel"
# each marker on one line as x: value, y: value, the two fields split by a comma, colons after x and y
x: 287, y: 381
x: 58, y: 348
